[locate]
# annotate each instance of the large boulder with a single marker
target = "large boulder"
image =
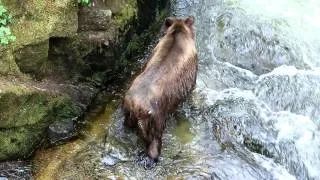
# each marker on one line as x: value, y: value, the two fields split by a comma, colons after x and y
x: 39, y: 20
x: 26, y: 113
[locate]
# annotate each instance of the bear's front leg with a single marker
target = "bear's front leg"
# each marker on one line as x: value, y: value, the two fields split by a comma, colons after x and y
x: 150, y: 158
x: 145, y: 161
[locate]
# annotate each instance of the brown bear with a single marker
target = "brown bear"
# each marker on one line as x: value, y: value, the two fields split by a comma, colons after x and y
x: 167, y: 79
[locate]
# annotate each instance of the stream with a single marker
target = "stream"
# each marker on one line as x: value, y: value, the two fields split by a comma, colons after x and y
x: 255, y: 112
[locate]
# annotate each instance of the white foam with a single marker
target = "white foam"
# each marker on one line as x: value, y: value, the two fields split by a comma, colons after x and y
x: 304, y: 133
x: 285, y: 70
x: 278, y: 171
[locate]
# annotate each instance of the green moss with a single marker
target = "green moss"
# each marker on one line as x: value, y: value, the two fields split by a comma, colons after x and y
x: 25, y: 115
x: 137, y: 45
x: 8, y: 65
x: 21, y: 107
x: 20, y: 142
x: 41, y: 19
x: 20, y: 110
x: 64, y: 108
x: 125, y: 15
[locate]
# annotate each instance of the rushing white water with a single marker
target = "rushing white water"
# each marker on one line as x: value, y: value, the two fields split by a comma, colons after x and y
x: 260, y: 80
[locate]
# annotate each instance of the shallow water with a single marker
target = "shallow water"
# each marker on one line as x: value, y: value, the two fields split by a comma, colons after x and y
x: 254, y: 114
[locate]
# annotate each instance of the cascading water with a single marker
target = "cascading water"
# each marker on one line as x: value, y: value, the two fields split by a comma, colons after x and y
x: 259, y: 75
x: 255, y: 113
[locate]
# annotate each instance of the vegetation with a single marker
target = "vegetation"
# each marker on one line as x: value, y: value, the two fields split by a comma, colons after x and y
x: 138, y: 42
x: 84, y: 2
x: 5, y: 32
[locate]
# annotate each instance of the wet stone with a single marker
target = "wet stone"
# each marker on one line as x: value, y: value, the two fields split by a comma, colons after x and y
x: 221, y: 75
x: 109, y: 160
x: 62, y: 130
x: 255, y: 45
x: 145, y: 161
x: 15, y: 170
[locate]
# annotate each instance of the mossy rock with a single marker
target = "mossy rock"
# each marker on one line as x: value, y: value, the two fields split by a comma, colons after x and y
x: 66, y: 55
x: 20, y: 142
x: 8, y: 65
x: 25, y: 115
x: 33, y: 59
x: 41, y: 19
x: 20, y: 110
x: 34, y: 22
x: 116, y: 6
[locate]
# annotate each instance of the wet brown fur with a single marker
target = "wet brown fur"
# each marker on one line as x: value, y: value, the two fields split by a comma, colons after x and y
x: 167, y: 79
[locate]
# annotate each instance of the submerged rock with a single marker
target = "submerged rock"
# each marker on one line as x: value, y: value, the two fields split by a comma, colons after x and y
x: 239, y: 165
x: 15, y: 170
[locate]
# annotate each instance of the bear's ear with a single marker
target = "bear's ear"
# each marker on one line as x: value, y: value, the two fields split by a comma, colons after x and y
x: 168, y: 22
x: 189, y: 21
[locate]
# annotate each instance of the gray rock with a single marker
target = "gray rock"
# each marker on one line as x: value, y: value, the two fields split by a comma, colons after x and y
x: 94, y: 19
x: 243, y: 41
x: 109, y: 160
x: 62, y: 130
x: 83, y: 94
x: 222, y: 75
x: 65, y: 123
